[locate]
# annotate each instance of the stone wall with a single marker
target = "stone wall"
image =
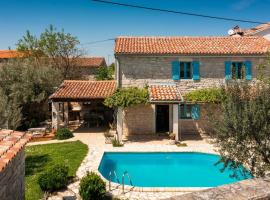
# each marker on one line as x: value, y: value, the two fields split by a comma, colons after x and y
x: 88, y: 73
x: 139, y: 120
x: 142, y: 70
x: 200, y: 126
x: 12, y: 179
x: 251, y: 189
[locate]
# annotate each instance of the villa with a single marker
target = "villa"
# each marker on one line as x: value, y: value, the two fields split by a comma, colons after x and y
x: 173, y: 66
x: 170, y: 67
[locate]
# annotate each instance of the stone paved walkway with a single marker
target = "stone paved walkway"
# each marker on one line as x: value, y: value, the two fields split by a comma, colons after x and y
x: 96, y: 144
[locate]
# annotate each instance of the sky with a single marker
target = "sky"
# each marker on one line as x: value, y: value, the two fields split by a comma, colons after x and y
x: 91, y: 21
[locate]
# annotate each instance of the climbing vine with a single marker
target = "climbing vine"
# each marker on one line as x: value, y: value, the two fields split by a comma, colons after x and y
x: 208, y: 95
x: 127, y: 97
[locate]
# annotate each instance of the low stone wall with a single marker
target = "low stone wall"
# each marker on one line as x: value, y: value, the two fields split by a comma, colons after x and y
x: 12, y: 179
x: 253, y: 189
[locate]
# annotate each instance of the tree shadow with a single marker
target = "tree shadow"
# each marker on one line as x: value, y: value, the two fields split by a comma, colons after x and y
x: 36, y: 163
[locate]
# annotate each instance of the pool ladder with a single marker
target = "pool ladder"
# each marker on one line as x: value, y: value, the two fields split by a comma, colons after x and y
x: 123, y: 181
x: 110, y: 178
x: 113, y: 173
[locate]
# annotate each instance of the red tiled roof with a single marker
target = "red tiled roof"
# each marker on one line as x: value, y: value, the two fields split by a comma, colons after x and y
x: 73, y: 89
x: 257, y: 29
x: 91, y: 62
x: 9, y: 54
x: 11, y: 142
x: 192, y: 45
x: 164, y: 92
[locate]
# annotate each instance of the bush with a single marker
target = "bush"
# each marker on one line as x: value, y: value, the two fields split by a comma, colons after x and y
x: 54, y: 178
x: 92, y: 187
x: 63, y: 133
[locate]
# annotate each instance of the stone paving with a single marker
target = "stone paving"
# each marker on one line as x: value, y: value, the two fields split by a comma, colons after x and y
x: 96, y: 144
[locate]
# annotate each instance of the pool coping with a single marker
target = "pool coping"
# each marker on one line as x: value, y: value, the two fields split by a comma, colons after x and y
x: 150, y: 189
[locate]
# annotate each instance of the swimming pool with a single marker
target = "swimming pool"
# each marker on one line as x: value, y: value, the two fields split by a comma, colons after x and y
x: 180, y: 169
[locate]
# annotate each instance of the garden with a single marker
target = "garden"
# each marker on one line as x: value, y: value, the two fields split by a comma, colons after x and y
x: 42, y: 159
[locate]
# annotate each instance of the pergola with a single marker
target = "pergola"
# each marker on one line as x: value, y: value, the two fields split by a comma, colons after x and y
x: 77, y: 91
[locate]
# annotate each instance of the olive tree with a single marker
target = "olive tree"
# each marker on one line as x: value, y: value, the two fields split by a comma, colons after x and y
x: 242, y: 131
x: 24, y: 89
x: 59, y: 49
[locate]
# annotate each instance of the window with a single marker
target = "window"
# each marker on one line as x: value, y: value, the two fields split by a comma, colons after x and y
x: 185, y: 111
x: 189, y: 111
x: 185, y: 70
x: 238, y: 70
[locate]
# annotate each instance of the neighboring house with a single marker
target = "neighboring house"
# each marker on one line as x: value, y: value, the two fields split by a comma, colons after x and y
x: 173, y: 66
x: 89, y: 66
x: 261, y: 30
x: 12, y: 164
x: 5, y: 55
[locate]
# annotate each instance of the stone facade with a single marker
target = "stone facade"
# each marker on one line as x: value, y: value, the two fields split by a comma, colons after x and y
x: 12, y: 179
x: 139, y: 120
x: 143, y: 70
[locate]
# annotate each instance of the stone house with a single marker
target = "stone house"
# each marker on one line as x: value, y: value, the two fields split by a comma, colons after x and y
x: 173, y: 66
x: 12, y: 164
x: 88, y: 66
x: 5, y: 55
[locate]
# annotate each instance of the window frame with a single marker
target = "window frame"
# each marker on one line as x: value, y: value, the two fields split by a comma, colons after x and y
x: 185, y: 65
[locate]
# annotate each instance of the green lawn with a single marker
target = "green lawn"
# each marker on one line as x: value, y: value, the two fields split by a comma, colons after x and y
x: 41, y: 157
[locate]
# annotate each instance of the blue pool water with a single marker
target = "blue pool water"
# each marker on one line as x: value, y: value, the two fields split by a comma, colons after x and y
x: 181, y: 169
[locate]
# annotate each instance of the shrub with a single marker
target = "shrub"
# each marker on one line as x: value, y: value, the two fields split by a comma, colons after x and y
x: 63, y: 133
x: 54, y: 178
x: 92, y: 187
x: 116, y: 143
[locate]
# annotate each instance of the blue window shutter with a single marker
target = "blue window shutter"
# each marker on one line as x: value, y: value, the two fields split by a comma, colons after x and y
x: 195, y: 112
x: 196, y: 70
x: 228, y: 65
x: 248, y: 66
x: 175, y: 70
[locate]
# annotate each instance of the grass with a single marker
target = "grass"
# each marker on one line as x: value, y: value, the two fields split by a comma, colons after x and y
x: 41, y: 157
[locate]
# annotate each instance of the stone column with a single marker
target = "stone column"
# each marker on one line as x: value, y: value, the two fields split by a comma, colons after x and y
x: 120, y: 124
x: 175, y: 122
x: 55, y: 115
x: 170, y: 118
x: 66, y: 114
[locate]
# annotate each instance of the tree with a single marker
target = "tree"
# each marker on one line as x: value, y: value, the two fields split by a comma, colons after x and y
x: 104, y: 73
x: 57, y: 48
x: 24, y: 89
x: 242, y: 131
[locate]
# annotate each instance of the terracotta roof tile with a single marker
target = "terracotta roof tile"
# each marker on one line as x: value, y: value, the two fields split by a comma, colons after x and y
x: 11, y: 142
x: 84, y: 90
x: 9, y: 54
x: 164, y: 92
x: 257, y: 29
x: 91, y: 62
x: 192, y: 45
